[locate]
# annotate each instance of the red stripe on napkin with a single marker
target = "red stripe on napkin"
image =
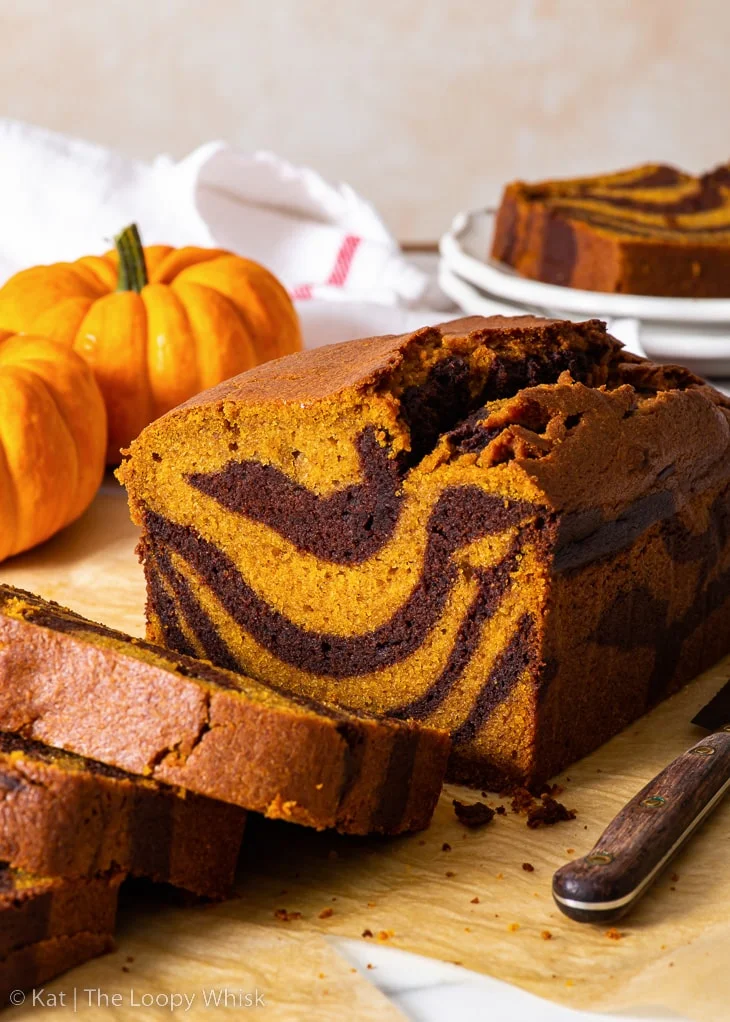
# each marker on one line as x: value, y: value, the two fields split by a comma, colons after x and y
x: 340, y: 271
x: 343, y: 262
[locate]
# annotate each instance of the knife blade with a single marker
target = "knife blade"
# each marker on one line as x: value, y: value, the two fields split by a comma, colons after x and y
x: 604, y: 885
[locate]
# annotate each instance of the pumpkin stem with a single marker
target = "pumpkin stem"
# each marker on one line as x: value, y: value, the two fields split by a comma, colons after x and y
x: 132, y: 266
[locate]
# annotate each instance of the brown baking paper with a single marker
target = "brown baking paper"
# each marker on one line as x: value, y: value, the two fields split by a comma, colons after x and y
x: 455, y: 894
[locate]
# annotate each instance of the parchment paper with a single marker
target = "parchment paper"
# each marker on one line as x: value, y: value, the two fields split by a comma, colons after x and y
x: 196, y: 963
x: 414, y: 893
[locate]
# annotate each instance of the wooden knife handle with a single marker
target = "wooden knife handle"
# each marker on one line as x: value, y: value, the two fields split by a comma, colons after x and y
x: 605, y: 884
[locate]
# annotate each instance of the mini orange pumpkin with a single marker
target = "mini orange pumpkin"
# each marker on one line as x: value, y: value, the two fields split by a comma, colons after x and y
x: 52, y: 439
x: 157, y: 324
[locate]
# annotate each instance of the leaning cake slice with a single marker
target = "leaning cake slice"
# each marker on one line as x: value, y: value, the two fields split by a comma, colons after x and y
x: 651, y: 230
x: 508, y: 528
x: 51, y: 924
x: 82, y: 687
x: 63, y: 815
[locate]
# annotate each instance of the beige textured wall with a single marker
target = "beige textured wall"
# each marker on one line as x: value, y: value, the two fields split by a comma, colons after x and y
x: 426, y: 106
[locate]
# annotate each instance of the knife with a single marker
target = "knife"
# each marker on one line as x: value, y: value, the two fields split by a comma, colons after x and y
x: 606, y: 883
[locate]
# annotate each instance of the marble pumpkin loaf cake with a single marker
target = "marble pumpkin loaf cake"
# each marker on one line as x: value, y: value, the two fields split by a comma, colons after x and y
x: 508, y: 528
x: 82, y: 687
x: 652, y: 230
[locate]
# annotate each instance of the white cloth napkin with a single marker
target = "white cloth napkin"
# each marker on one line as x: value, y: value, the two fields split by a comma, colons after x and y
x: 61, y: 198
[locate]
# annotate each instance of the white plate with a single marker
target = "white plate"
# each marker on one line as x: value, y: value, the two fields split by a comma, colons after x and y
x: 703, y: 348
x: 465, y: 250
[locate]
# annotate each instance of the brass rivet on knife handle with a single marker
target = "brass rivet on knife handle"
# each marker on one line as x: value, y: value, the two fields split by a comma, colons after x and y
x: 653, y: 802
x: 599, y: 858
x: 702, y: 750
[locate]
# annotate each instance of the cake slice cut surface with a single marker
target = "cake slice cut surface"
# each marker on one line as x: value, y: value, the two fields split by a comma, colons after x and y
x: 82, y: 687
x: 652, y: 230
x: 63, y: 815
x: 51, y: 924
x: 508, y: 528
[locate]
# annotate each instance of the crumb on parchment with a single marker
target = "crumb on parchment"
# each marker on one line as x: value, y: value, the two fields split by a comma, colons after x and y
x: 476, y: 814
x: 543, y: 811
x: 549, y: 813
x: 522, y: 800
x: 286, y: 917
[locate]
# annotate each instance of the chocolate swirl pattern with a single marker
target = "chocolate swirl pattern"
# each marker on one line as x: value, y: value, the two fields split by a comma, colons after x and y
x: 652, y: 230
x: 347, y: 527
x: 459, y: 517
x: 502, y: 566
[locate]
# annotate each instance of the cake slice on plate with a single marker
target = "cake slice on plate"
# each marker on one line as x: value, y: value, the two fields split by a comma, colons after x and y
x: 652, y: 230
x: 507, y: 528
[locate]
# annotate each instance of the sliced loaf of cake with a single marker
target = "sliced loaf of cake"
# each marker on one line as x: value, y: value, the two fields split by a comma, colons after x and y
x: 509, y: 528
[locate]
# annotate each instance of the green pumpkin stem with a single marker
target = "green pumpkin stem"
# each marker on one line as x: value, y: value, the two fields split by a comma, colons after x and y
x: 132, y: 266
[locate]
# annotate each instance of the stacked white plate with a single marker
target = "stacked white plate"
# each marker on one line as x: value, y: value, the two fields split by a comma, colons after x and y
x: 690, y: 331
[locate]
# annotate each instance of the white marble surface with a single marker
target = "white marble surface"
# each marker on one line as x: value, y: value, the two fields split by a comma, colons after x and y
x: 429, y: 991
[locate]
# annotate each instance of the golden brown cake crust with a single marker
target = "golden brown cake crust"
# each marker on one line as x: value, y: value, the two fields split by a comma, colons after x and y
x: 322, y: 373
x: 78, y: 685
x: 682, y: 418
x: 63, y: 815
x: 390, y: 524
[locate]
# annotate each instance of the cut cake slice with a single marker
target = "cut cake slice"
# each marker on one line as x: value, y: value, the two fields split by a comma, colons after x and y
x: 63, y: 815
x: 51, y: 924
x: 75, y: 684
